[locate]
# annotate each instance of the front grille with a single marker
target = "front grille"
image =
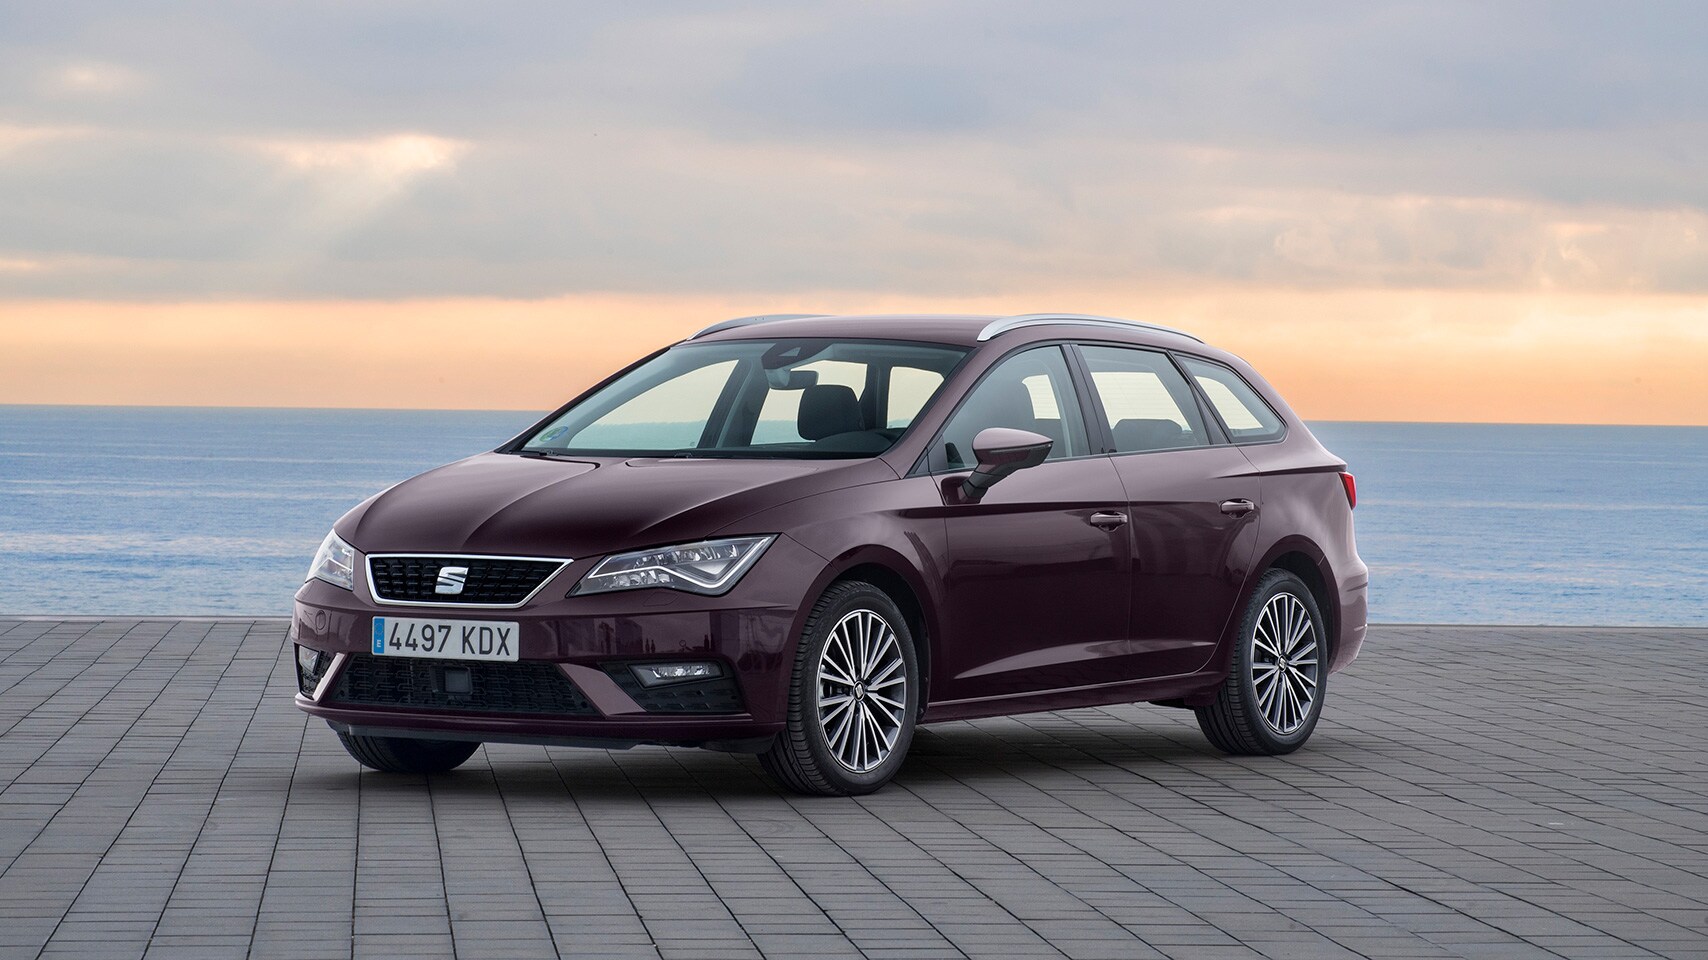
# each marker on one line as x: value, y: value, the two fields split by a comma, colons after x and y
x: 716, y: 695
x: 489, y: 580
x: 528, y: 686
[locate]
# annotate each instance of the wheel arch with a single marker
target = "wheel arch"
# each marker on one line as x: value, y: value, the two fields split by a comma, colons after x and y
x: 1301, y: 557
x: 892, y: 573
x: 1311, y: 571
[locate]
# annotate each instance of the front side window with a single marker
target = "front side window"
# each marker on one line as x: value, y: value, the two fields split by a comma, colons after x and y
x: 1147, y: 402
x: 1246, y: 415
x: 802, y: 399
x: 1029, y: 391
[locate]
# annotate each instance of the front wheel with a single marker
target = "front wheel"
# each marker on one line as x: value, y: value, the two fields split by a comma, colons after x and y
x: 407, y: 755
x: 853, y: 699
x: 1274, y: 692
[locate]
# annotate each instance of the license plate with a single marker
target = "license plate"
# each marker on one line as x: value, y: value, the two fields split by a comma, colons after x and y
x: 445, y: 639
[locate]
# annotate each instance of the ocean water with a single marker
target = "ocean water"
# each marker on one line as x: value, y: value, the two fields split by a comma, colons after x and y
x: 176, y: 512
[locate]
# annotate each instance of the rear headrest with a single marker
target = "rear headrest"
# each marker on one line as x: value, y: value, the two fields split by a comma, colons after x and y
x: 827, y: 409
x: 1148, y: 435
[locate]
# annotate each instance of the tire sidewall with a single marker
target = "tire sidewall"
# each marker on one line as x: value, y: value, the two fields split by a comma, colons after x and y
x: 1275, y: 742
x: 861, y: 597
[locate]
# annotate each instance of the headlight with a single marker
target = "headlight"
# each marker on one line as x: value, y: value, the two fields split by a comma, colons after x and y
x: 710, y: 567
x: 334, y: 562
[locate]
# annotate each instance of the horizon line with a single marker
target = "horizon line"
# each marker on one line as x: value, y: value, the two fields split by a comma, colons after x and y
x: 543, y: 411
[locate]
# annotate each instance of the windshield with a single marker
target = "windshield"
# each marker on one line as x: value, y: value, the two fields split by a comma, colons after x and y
x: 791, y: 399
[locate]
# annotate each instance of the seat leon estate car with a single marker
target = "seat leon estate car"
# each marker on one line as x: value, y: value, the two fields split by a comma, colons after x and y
x: 803, y: 536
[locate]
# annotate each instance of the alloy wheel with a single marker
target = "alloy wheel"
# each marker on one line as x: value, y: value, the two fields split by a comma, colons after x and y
x: 1284, y: 663
x: 862, y: 690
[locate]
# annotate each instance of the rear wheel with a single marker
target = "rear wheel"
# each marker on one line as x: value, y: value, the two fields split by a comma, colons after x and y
x: 854, y: 696
x: 1274, y: 692
x: 407, y: 755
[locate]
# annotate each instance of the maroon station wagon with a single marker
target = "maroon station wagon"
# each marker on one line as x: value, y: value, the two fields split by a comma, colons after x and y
x: 802, y: 536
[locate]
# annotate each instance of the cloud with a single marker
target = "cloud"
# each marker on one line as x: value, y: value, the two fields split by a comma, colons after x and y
x: 391, y: 158
x: 17, y: 137
x: 92, y: 79
x: 373, y: 150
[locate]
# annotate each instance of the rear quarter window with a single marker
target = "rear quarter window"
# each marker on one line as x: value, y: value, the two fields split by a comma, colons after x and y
x: 1246, y: 415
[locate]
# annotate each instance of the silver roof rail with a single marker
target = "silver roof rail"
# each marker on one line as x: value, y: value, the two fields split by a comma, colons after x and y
x: 1005, y: 324
x: 748, y: 321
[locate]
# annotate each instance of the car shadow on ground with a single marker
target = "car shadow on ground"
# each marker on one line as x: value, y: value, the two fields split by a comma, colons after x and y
x: 965, y: 754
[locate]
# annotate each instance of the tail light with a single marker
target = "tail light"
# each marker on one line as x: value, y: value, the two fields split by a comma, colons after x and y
x: 1351, y: 485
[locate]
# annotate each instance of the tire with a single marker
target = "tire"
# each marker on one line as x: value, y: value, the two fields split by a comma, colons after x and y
x: 1246, y: 717
x: 408, y: 755
x: 817, y: 752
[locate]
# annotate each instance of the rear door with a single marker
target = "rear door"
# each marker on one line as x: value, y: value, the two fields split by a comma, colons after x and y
x: 1194, y: 502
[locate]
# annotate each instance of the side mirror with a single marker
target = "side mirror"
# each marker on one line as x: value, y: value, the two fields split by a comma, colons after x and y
x: 1000, y: 452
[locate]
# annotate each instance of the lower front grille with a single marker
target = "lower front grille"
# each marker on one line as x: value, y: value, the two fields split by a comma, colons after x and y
x: 529, y: 686
x: 717, y: 695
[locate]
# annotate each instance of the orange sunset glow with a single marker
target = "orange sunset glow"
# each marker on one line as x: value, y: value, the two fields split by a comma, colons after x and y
x: 1372, y: 355
x: 1391, y: 220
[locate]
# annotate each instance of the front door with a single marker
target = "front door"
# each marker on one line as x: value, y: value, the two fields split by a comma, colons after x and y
x: 1038, y: 573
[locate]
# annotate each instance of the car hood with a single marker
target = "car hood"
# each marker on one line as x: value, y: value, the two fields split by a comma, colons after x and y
x: 533, y: 506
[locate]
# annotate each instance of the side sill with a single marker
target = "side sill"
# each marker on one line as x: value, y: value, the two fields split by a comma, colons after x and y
x: 1187, y: 687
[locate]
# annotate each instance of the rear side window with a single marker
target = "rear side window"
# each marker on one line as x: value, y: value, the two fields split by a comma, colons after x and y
x: 1246, y: 415
x: 1146, y: 400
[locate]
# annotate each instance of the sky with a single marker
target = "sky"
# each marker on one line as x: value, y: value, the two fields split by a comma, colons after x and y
x: 1397, y: 211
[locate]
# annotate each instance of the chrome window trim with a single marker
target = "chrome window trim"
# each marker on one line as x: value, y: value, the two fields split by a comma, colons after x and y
x: 368, y: 566
x: 1003, y: 325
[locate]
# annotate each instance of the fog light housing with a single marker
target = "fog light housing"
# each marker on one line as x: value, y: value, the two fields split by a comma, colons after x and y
x: 658, y: 674
x: 311, y: 666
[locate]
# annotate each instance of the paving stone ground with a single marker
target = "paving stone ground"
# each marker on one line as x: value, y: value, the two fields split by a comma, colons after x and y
x: 1471, y: 792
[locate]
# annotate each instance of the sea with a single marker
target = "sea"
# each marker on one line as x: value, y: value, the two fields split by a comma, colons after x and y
x: 176, y: 511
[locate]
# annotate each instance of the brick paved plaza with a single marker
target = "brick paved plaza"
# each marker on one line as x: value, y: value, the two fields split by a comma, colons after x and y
x: 1471, y: 792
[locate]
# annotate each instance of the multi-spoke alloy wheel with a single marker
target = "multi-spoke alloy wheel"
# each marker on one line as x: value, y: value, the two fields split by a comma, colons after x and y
x: 854, y: 698
x: 1284, y: 663
x: 1274, y: 692
x: 862, y: 690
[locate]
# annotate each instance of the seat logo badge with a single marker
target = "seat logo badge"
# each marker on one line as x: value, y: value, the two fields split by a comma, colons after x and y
x: 451, y: 580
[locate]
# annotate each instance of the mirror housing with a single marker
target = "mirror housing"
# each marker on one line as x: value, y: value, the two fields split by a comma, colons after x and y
x: 1000, y: 452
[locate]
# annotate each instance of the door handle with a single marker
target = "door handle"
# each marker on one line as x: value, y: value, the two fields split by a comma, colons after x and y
x: 1106, y: 521
x: 1238, y: 508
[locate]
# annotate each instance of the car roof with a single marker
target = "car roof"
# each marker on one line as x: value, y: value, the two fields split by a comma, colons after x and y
x: 960, y: 329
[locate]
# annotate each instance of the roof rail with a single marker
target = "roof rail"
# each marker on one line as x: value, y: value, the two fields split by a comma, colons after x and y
x: 748, y: 321
x: 1005, y: 324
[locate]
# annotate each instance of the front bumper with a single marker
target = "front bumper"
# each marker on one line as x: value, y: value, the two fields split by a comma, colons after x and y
x: 749, y: 632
